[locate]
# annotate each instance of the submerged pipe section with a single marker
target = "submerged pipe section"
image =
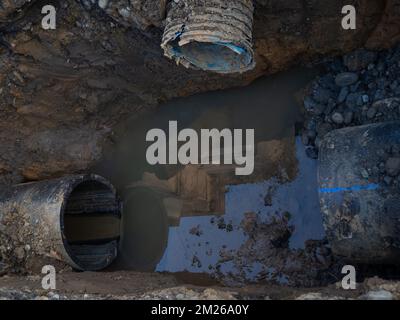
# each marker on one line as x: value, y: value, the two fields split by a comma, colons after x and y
x: 211, y: 35
x: 74, y: 219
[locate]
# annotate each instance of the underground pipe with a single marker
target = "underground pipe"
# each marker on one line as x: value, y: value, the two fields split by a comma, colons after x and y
x: 74, y: 219
x: 360, y: 206
x: 211, y: 35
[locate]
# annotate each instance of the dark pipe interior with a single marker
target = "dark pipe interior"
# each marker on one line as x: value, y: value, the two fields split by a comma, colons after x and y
x: 92, y: 225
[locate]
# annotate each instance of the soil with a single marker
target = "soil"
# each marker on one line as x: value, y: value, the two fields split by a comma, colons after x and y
x: 150, y: 286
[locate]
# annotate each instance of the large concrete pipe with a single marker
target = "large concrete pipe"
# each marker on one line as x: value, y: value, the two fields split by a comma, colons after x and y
x: 212, y: 35
x: 74, y: 219
x: 360, y: 194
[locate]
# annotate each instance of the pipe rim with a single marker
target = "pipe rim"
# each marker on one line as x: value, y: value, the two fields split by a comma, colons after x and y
x: 74, y: 183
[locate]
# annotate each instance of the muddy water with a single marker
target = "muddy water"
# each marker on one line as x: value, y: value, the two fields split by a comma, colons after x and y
x: 224, y: 245
x: 211, y: 244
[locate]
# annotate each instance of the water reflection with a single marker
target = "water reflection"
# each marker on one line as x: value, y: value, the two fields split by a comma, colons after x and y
x: 265, y: 226
x: 198, y: 244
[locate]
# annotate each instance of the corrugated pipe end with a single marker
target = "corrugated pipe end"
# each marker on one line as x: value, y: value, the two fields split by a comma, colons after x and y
x: 211, y: 35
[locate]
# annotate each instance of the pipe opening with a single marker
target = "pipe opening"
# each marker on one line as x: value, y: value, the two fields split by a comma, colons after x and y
x: 211, y: 35
x: 91, y: 225
x: 218, y: 57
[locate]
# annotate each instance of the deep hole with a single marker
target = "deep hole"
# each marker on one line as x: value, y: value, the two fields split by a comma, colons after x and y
x: 213, y: 56
x: 92, y: 225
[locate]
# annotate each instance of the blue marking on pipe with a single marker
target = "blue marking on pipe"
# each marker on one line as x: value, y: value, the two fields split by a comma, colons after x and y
x: 237, y: 49
x: 371, y: 186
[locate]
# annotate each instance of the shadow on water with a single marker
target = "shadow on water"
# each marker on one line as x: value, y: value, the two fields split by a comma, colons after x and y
x: 269, y: 106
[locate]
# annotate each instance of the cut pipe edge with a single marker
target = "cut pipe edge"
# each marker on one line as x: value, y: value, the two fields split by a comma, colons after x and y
x: 74, y: 219
x: 211, y: 35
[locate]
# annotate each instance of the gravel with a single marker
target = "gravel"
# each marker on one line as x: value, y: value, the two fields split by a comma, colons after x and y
x: 360, y: 88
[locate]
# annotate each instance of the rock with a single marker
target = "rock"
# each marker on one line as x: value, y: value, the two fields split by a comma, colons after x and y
x: 337, y: 118
x: 348, y: 117
x: 396, y: 150
x: 359, y: 59
x: 388, y: 180
x: 343, y: 94
x: 352, y: 99
x: 212, y: 294
x: 392, y: 167
x: 386, y: 103
x: 364, y: 173
x: 319, y: 109
x: 317, y: 296
x: 323, y: 129
x: 322, y: 95
x: 103, y: 4
x: 371, y: 113
x: 309, y: 104
x: 3, y: 268
x: 53, y: 296
x: 377, y: 295
x: 311, y: 134
x: 346, y: 79
x: 20, y: 253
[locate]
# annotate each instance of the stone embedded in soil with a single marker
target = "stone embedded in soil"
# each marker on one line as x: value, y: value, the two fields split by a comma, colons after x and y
x: 359, y: 59
x: 322, y: 95
x: 388, y: 180
x: 371, y: 113
x: 393, y: 167
x: 337, y: 118
x: 377, y: 295
x: 345, y: 79
x: 343, y: 94
x: 364, y: 173
x: 348, y: 117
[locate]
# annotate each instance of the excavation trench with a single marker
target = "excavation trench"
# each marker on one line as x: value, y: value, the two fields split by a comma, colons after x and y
x: 205, y: 220
x: 202, y: 222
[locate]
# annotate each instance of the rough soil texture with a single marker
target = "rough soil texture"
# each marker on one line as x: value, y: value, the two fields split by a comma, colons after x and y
x: 310, y: 267
x: 146, y: 286
x: 63, y: 91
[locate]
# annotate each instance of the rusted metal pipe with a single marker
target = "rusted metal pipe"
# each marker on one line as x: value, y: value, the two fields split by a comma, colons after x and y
x: 74, y: 219
x: 212, y: 35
